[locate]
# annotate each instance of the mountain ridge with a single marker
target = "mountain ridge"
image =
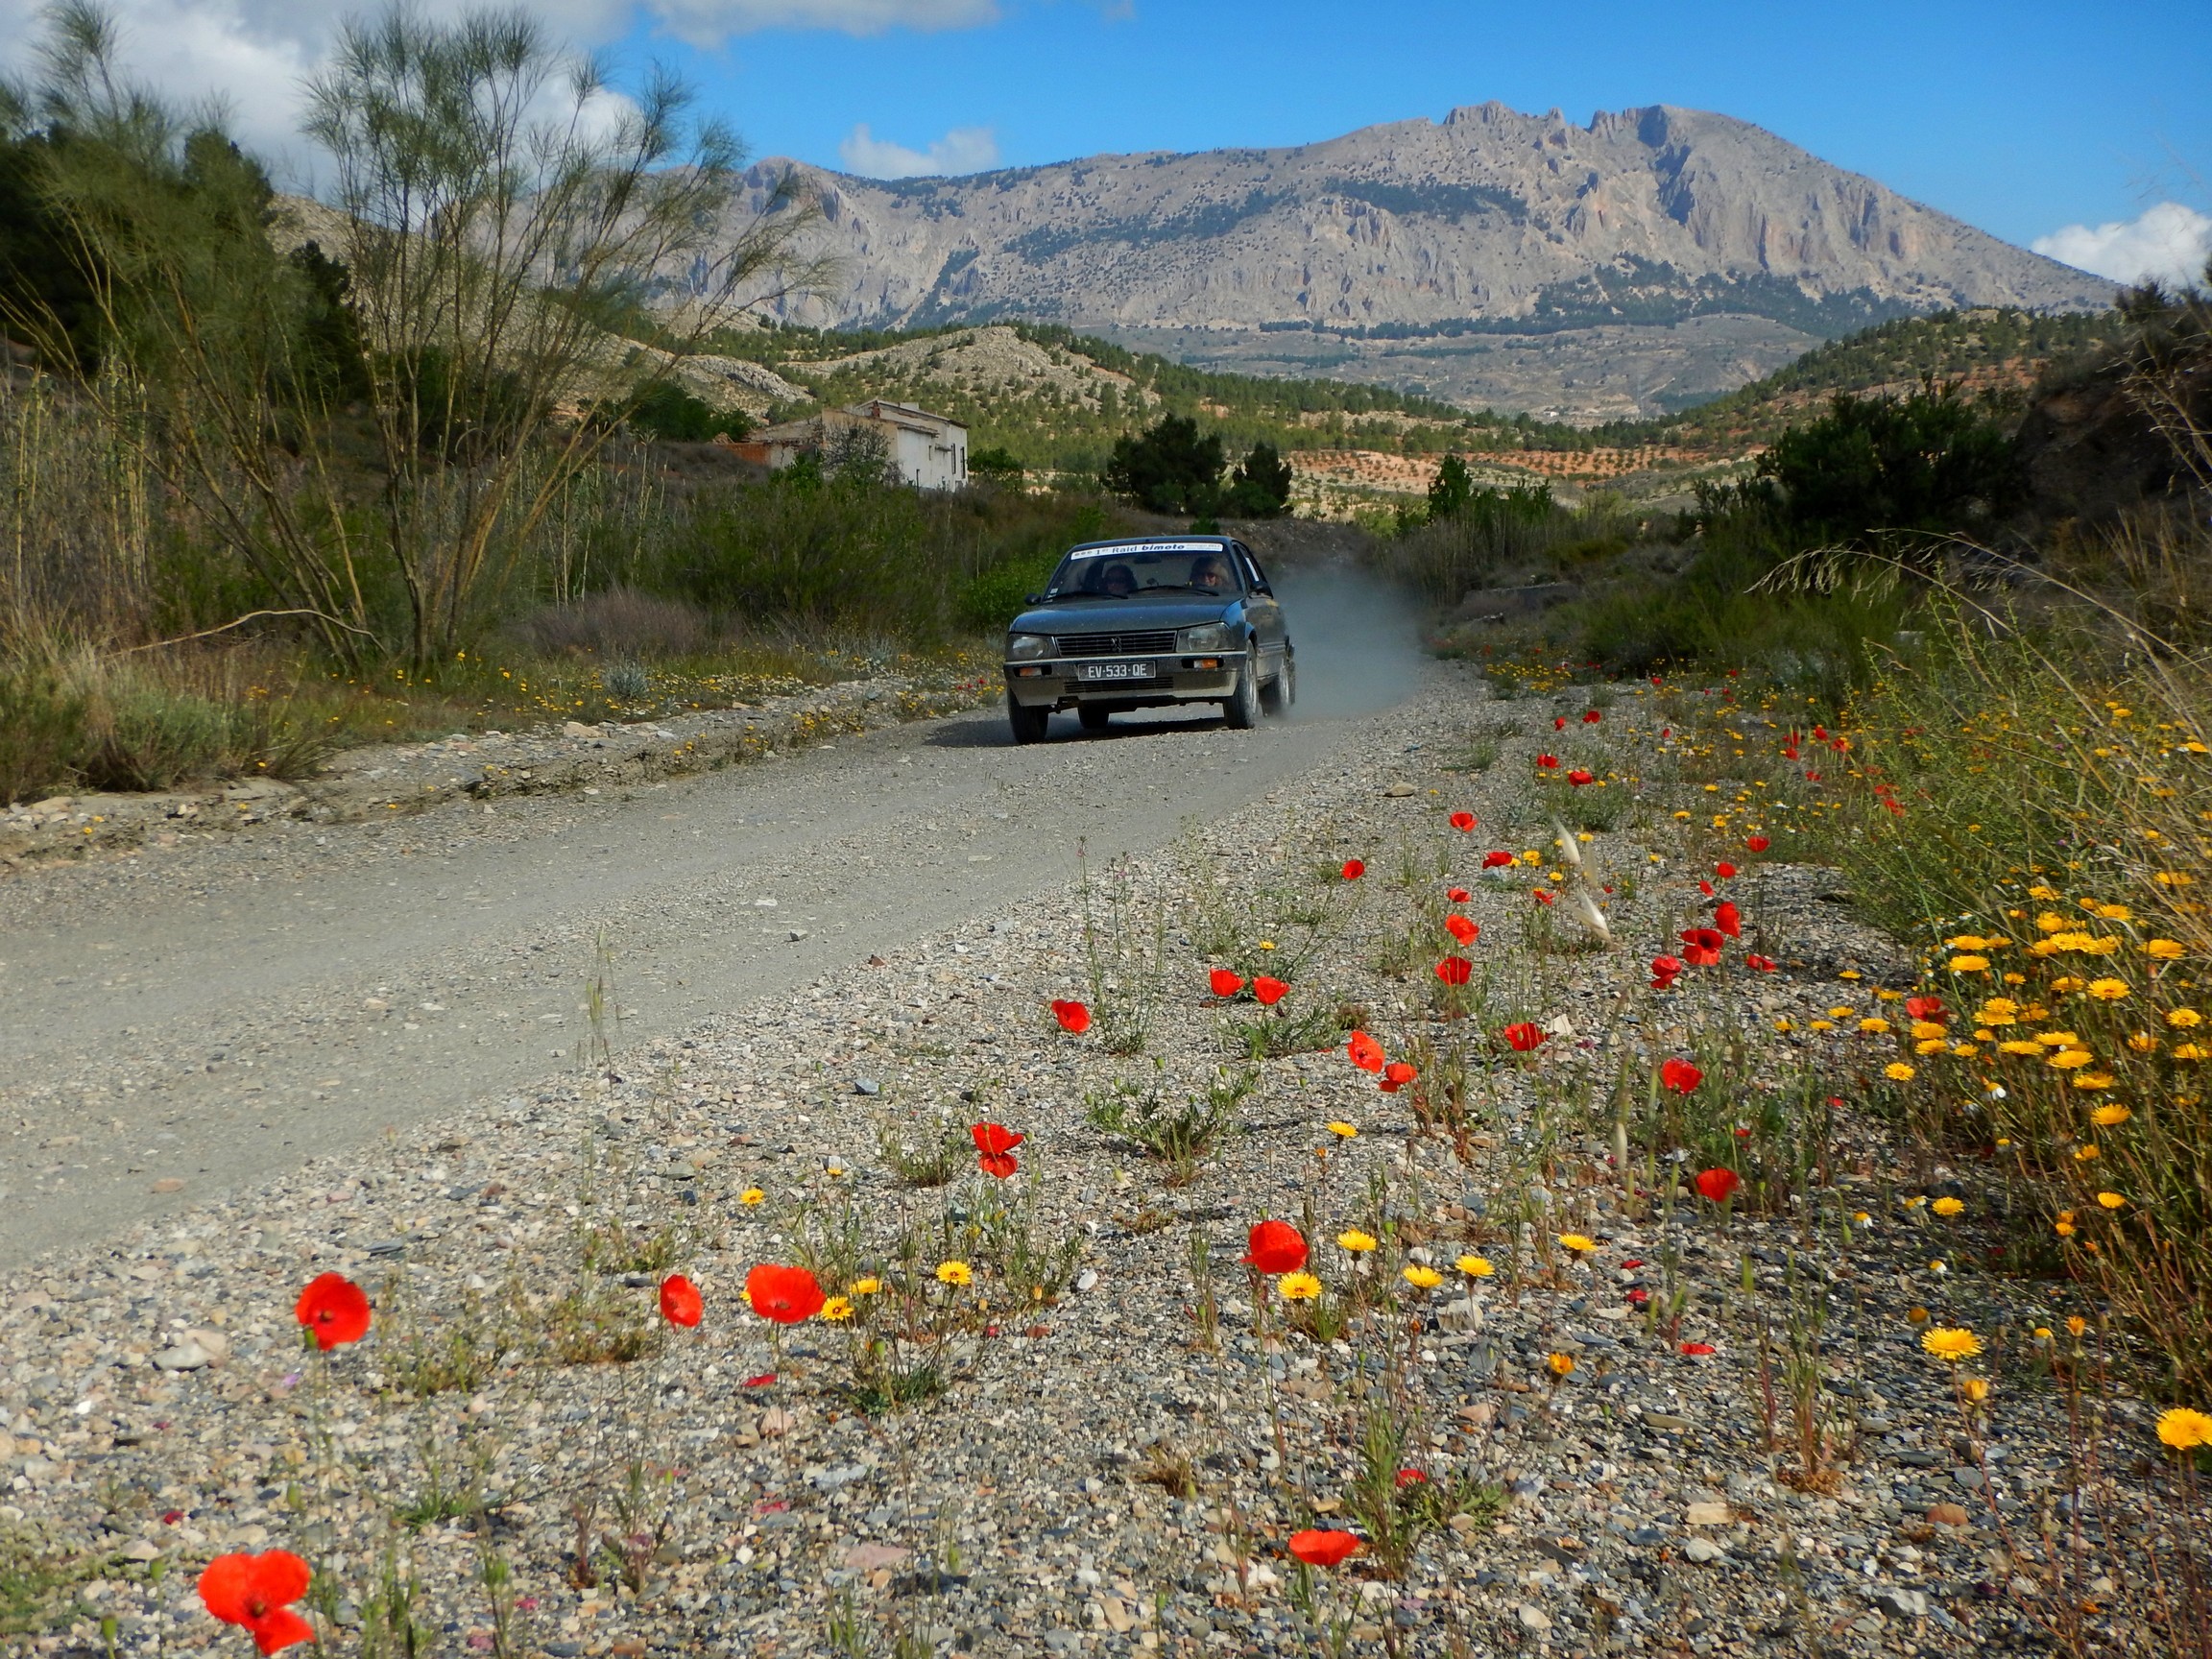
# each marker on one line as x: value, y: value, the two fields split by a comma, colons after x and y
x: 1399, y: 247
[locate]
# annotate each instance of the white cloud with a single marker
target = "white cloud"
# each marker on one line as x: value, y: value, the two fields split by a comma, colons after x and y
x: 2169, y: 242
x: 963, y: 150
x: 256, y: 54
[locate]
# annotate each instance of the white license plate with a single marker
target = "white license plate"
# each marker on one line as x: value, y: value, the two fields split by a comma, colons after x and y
x: 1114, y: 671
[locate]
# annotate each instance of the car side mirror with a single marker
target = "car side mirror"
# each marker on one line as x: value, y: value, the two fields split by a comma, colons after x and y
x: 1032, y: 598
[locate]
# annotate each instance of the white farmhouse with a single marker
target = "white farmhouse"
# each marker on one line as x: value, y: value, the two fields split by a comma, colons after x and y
x: 929, y: 451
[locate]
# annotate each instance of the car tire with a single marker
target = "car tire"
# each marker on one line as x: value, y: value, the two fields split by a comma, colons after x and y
x: 1243, y: 711
x: 1029, y: 724
x: 1093, y: 718
x: 1280, y: 692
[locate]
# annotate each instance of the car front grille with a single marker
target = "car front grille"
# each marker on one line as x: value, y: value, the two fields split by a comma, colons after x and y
x: 1116, y: 645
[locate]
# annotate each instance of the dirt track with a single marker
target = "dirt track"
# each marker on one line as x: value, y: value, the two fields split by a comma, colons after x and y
x: 188, y: 1022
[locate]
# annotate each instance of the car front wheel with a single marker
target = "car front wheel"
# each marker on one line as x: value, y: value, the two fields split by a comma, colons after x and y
x: 1029, y: 724
x: 1280, y: 692
x: 1243, y: 711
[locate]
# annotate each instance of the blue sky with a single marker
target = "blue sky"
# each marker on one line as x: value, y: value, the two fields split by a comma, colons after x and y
x: 2020, y: 118
x: 2029, y: 119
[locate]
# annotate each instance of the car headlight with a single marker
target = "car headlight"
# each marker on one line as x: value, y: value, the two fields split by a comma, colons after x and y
x: 1207, y: 636
x: 1027, y: 647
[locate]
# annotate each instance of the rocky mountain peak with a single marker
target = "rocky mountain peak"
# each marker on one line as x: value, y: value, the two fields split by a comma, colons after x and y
x: 1490, y: 234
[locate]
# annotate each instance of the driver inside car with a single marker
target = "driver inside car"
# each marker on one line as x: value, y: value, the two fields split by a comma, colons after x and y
x: 1206, y: 572
x: 1117, y: 582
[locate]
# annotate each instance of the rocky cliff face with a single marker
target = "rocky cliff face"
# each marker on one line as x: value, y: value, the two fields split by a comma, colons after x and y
x: 1489, y: 226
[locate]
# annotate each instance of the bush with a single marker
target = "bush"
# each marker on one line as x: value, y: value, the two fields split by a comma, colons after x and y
x: 666, y: 410
x: 1876, y: 472
x: 1170, y: 468
x: 807, y: 552
x: 41, y: 733
x: 1262, y: 486
x: 1713, y: 613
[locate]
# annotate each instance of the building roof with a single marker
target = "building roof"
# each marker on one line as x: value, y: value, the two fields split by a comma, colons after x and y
x: 903, y: 415
x: 878, y: 410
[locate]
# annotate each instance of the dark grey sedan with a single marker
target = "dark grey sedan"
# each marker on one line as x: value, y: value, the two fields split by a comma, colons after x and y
x: 1142, y: 624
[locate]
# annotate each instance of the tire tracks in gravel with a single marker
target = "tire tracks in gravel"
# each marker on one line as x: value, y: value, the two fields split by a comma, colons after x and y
x: 183, y: 1025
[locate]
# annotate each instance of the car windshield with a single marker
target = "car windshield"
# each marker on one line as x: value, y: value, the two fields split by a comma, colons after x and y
x: 1149, y: 568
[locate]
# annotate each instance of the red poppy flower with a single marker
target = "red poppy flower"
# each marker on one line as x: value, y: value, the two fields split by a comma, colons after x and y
x: 1074, y: 1016
x: 1463, y: 822
x: 1454, y: 970
x: 1696, y: 1348
x: 1549, y: 763
x: 1558, y: 722
x: 1457, y: 895
x: 1822, y: 732
x: 1701, y: 947
x: 1680, y: 1076
x: 1366, y: 1053
x: 1544, y: 896
x: 1269, y: 992
x: 1757, y: 843
x: 1522, y: 1037
x: 1462, y: 929
x: 1924, y: 1007
x: 1275, y: 1247
x: 1412, y: 1478
x: 1705, y: 887
x: 766, y: 1379
x: 1664, y: 971
x: 1631, y: 1264
x: 1223, y: 983
x: 1499, y: 860
x: 1728, y: 919
x: 255, y: 1592
x: 1638, y: 1296
x: 1354, y: 869
x: 1578, y: 777
x: 1395, y: 1076
x: 999, y: 1164
x: 1723, y: 869
x: 680, y: 1303
x: 335, y: 1309
x: 1590, y: 716
x: 1322, y: 1549
x: 1765, y: 964
x: 786, y: 1295
x: 1715, y: 1185
x: 991, y: 1139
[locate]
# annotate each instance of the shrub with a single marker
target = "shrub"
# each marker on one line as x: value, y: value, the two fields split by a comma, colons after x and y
x: 42, y: 734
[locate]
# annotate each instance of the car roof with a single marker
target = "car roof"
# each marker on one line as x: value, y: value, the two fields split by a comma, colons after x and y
x: 1158, y: 543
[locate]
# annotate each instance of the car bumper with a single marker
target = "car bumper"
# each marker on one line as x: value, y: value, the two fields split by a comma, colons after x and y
x: 1059, y: 683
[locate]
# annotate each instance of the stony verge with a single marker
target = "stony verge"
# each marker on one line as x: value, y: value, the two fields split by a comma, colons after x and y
x: 381, y: 780
x: 1606, y: 1424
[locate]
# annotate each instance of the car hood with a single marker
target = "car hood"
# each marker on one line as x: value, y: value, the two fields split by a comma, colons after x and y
x: 1124, y: 616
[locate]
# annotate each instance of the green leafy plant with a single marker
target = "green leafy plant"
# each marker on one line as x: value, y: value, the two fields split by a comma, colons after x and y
x: 1182, y: 1134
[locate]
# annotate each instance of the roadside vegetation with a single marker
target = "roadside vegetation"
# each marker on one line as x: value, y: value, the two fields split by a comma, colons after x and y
x: 1989, y: 704
x: 276, y: 477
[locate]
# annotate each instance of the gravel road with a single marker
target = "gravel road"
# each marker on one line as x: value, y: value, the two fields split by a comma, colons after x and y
x: 190, y: 1021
